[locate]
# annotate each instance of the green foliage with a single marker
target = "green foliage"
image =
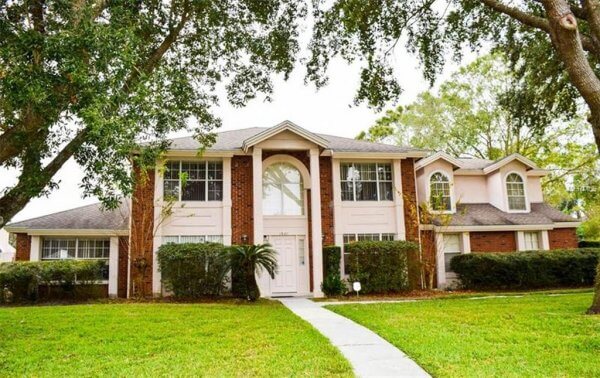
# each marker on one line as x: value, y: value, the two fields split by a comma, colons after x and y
x: 380, y: 266
x: 246, y: 261
x: 527, y: 270
x: 332, y: 278
x: 193, y: 270
x: 20, y: 281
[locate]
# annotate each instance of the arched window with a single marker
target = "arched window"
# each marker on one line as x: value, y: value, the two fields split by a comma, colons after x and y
x: 515, y: 190
x: 282, y: 190
x: 439, y: 193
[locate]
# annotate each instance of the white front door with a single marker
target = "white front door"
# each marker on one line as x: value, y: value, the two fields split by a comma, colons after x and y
x: 285, y: 280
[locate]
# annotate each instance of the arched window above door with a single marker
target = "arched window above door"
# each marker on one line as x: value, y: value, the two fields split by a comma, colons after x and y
x: 283, y: 192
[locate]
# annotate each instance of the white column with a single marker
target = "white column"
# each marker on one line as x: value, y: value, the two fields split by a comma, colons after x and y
x: 338, y: 231
x: 113, y: 267
x: 440, y: 261
x: 520, y: 241
x: 263, y: 280
x: 34, y: 252
x: 226, y: 201
x: 157, y: 239
x: 466, y: 243
x: 398, y: 200
x: 545, y: 240
x: 315, y: 211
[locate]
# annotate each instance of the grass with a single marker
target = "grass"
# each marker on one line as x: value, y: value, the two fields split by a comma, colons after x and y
x: 537, y: 335
x: 222, y: 339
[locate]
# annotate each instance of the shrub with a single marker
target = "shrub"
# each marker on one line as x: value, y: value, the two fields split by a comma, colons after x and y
x: 21, y: 281
x: 589, y: 244
x: 245, y: 262
x: 527, y: 270
x: 193, y: 270
x: 332, y: 281
x: 380, y: 266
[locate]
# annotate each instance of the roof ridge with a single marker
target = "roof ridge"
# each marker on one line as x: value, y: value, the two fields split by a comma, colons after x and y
x: 370, y: 142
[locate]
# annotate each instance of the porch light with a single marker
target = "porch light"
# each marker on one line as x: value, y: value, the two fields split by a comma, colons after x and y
x: 244, y: 239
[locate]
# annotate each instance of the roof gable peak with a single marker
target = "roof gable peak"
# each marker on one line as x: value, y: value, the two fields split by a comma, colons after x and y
x: 284, y: 126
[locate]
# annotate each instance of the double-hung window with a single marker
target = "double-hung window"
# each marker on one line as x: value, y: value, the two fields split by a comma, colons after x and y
x: 440, y: 197
x: 532, y: 240
x: 192, y: 239
x: 366, y: 182
x: 515, y: 191
x: 193, y: 180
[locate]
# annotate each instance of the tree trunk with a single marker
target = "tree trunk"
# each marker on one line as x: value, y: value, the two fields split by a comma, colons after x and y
x: 595, y: 308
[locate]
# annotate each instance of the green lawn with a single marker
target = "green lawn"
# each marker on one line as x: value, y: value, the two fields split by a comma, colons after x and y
x: 532, y: 336
x: 223, y: 339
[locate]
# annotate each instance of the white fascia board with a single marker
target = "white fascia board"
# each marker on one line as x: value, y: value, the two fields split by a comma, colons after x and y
x: 373, y: 155
x: 490, y: 228
x: 567, y: 224
x: 67, y: 232
x: 201, y: 154
x: 438, y: 155
x: 283, y: 126
x: 502, y: 162
x: 537, y: 173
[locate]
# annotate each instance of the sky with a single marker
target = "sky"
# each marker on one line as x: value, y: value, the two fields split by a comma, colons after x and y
x: 328, y: 110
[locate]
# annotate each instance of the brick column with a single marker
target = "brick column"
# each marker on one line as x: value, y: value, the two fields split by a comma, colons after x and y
x: 23, y: 249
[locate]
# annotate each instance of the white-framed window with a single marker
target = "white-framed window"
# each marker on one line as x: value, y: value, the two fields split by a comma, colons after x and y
x: 283, y: 192
x: 351, y: 238
x: 366, y: 182
x: 515, y: 192
x: 77, y: 249
x: 440, y: 197
x: 203, y: 180
x: 179, y: 239
x: 452, y: 247
x: 301, y: 252
x: 531, y: 240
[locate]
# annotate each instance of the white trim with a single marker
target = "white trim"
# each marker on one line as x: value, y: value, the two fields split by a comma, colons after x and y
x: 510, y: 227
x: 450, y: 183
x: 113, y: 267
x: 67, y: 232
x: 438, y: 155
x: 317, y: 241
x: 174, y: 154
x: 505, y: 191
x: 567, y: 224
x: 226, y: 202
x: 545, y: 240
x: 35, y: 251
x: 282, y: 158
x: 283, y: 126
x: 375, y: 155
x: 502, y: 162
x: 158, y: 228
x: 398, y: 199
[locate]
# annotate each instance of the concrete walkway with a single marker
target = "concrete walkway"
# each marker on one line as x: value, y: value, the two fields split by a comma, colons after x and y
x: 369, y: 354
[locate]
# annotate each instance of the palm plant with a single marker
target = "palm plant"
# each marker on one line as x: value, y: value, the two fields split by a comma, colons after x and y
x: 246, y: 261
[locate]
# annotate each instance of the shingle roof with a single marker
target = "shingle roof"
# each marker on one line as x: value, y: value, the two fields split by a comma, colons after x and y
x: 475, y: 163
x: 233, y: 140
x: 90, y: 217
x: 485, y: 214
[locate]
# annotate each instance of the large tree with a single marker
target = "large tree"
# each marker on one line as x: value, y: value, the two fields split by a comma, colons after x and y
x: 471, y: 115
x: 553, y: 45
x: 92, y: 79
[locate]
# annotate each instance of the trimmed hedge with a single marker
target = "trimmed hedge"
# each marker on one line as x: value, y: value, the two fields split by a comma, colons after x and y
x: 589, y: 244
x: 332, y: 278
x: 193, y: 270
x: 380, y: 266
x: 64, y: 279
x: 527, y: 270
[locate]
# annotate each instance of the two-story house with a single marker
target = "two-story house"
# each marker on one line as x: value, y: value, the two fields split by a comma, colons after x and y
x: 299, y: 191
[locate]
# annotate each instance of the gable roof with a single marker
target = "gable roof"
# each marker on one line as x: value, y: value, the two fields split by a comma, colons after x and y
x: 90, y: 217
x: 233, y: 141
x: 283, y: 126
x: 480, y: 166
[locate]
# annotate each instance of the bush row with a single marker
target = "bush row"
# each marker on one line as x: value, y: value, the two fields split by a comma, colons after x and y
x: 380, y: 266
x: 589, y: 244
x: 527, y: 270
x: 21, y: 281
x: 332, y: 278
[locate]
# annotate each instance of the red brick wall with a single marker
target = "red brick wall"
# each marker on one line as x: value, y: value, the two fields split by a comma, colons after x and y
x: 496, y: 241
x: 563, y: 238
x: 23, y: 250
x: 142, y: 232
x: 409, y: 194
x: 123, y: 262
x: 242, y: 198
x: 326, y: 200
